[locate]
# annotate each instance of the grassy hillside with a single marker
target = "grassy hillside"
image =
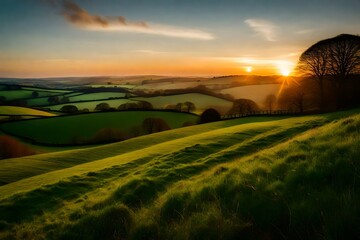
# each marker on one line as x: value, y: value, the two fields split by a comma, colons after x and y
x: 63, y: 130
x: 294, y: 178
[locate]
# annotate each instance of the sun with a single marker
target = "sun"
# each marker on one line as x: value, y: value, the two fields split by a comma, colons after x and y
x: 248, y: 69
x: 284, y: 70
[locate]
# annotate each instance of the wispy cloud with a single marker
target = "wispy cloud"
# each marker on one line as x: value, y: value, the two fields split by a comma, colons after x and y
x: 305, y: 31
x: 81, y: 18
x: 263, y: 27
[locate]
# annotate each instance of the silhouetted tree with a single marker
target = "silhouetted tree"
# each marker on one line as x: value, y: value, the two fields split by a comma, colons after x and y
x: 179, y: 107
x: 270, y: 102
x: 153, y: 125
x: 129, y: 105
x: 210, y: 115
x: 145, y: 105
x: 345, y: 61
x: 69, y: 109
x: 102, y: 107
x: 190, y: 107
x: 315, y: 62
x: 243, y: 106
x: 337, y: 57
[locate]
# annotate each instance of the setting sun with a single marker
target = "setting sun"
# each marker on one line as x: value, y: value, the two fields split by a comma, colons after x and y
x: 248, y: 69
x: 285, y: 72
x: 285, y: 69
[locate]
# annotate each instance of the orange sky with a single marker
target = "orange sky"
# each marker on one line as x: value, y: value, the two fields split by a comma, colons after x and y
x: 184, y: 38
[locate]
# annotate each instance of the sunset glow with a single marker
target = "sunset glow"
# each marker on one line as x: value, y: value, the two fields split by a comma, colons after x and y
x: 84, y: 38
x: 248, y: 69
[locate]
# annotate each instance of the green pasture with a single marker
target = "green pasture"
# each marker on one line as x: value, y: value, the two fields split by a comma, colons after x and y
x: 91, y: 105
x: 13, y: 110
x: 23, y: 94
x: 252, y: 178
x: 201, y: 101
x: 96, y: 96
x: 62, y: 130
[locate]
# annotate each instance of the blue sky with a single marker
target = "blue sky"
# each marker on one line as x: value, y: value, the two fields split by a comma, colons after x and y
x: 166, y: 37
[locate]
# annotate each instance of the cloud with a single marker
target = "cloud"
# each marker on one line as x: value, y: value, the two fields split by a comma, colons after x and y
x: 264, y: 28
x: 81, y: 18
x: 305, y: 31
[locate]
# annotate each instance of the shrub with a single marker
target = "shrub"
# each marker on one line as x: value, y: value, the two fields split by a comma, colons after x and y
x: 69, y: 109
x: 11, y: 148
x: 102, y: 107
x: 210, y: 115
x: 244, y: 106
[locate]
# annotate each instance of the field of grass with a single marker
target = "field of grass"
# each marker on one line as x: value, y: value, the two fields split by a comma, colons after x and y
x: 96, y: 96
x: 91, y: 105
x: 275, y: 178
x: 63, y: 130
x: 201, y: 101
x: 27, y: 93
x: 257, y: 93
x: 13, y: 110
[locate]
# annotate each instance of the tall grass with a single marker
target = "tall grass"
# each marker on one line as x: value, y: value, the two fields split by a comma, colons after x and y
x: 229, y: 183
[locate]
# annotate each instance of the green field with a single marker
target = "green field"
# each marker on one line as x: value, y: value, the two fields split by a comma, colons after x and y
x: 13, y: 110
x: 257, y: 93
x: 27, y: 93
x: 97, y: 96
x: 91, y: 105
x: 251, y: 178
x: 62, y: 130
x: 201, y: 101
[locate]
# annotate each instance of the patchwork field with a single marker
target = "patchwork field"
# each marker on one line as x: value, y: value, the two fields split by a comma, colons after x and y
x: 13, y: 110
x: 91, y: 105
x: 254, y: 178
x: 64, y: 129
x: 28, y: 93
x: 201, y: 101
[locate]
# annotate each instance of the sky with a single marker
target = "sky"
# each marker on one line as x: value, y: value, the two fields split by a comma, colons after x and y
x: 59, y: 38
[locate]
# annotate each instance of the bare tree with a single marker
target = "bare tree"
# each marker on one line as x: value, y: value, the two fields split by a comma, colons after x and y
x: 190, y: 107
x: 337, y: 57
x: 314, y: 62
x: 345, y: 61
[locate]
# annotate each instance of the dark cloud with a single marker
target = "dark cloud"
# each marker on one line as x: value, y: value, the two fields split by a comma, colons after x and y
x: 76, y: 15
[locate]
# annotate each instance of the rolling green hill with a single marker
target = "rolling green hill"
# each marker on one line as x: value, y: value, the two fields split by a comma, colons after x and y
x: 63, y: 130
x: 253, y: 178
